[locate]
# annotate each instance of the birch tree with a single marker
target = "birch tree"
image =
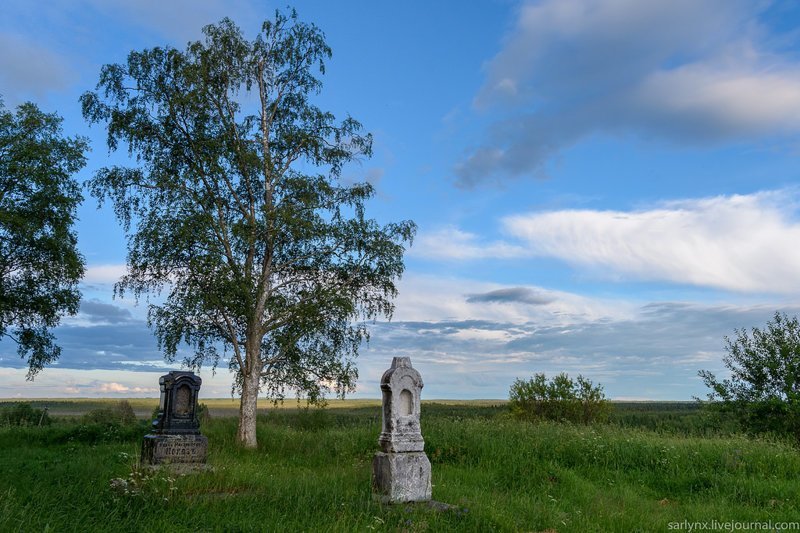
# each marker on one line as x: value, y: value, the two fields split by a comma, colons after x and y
x: 235, y: 209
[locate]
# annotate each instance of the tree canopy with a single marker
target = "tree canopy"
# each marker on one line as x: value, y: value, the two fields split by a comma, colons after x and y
x: 763, y: 390
x: 235, y: 209
x: 40, y: 266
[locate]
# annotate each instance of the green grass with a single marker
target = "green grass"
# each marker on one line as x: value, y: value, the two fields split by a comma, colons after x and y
x: 312, y: 472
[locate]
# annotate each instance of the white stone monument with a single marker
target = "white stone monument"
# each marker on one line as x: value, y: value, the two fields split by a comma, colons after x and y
x: 401, y: 471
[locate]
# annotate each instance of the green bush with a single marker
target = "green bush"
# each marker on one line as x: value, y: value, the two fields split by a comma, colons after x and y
x: 23, y: 414
x: 763, y: 391
x: 121, y: 414
x: 560, y: 399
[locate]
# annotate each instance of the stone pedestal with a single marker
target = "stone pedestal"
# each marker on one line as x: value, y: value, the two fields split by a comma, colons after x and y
x: 401, y: 472
x: 167, y: 449
x: 401, y: 477
x: 175, y: 437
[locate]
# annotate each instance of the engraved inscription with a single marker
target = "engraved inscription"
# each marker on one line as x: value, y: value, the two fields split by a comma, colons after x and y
x: 180, y: 450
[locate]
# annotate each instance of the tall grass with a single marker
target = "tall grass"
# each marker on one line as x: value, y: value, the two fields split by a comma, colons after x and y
x: 312, y: 472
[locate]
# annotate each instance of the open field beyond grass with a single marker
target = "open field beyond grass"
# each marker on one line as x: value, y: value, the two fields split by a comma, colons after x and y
x: 647, y: 469
x: 221, y: 407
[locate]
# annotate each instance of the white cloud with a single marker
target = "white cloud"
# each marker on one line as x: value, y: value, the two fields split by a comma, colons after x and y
x: 484, y: 335
x: 451, y: 243
x: 118, y: 388
x: 56, y: 382
x: 744, y: 243
x: 702, y: 101
x: 112, y: 387
x: 104, y: 274
x: 740, y: 242
x: 59, y: 382
x: 435, y: 298
x: 688, y: 71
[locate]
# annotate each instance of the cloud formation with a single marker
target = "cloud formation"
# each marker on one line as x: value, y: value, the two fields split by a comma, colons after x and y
x: 686, y: 71
x: 742, y: 242
x: 101, y: 336
x: 436, y: 298
x: 97, y: 312
x: 487, y: 343
x: 104, y: 274
x: 451, y: 243
x: 523, y: 295
x: 118, y: 388
x: 664, y: 342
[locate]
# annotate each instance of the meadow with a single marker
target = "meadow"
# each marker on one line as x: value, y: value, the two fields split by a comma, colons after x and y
x: 653, y: 467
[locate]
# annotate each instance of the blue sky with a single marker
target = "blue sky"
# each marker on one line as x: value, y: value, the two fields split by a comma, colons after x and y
x: 604, y: 187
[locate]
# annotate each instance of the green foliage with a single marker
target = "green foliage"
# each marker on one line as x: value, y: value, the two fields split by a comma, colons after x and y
x: 238, y: 208
x: 121, y: 414
x: 560, y: 399
x: 96, y: 432
x: 23, y: 414
x: 39, y: 261
x: 312, y: 473
x: 763, y: 390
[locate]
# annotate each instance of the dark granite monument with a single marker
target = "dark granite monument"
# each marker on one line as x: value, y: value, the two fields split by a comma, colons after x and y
x: 175, y: 436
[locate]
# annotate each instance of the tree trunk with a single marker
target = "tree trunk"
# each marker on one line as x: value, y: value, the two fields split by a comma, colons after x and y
x: 246, y: 435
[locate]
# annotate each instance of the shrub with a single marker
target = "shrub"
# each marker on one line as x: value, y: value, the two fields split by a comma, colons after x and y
x: 763, y: 391
x: 560, y: 399
x: 23, y: 414
x: 121, y: 413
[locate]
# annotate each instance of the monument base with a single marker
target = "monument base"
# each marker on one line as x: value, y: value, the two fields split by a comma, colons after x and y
x: 401, y: 477
x: 174, y: 449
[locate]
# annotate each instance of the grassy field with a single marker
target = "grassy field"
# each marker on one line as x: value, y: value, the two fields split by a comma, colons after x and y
x: 218, y: 407
x: 653, y: 468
